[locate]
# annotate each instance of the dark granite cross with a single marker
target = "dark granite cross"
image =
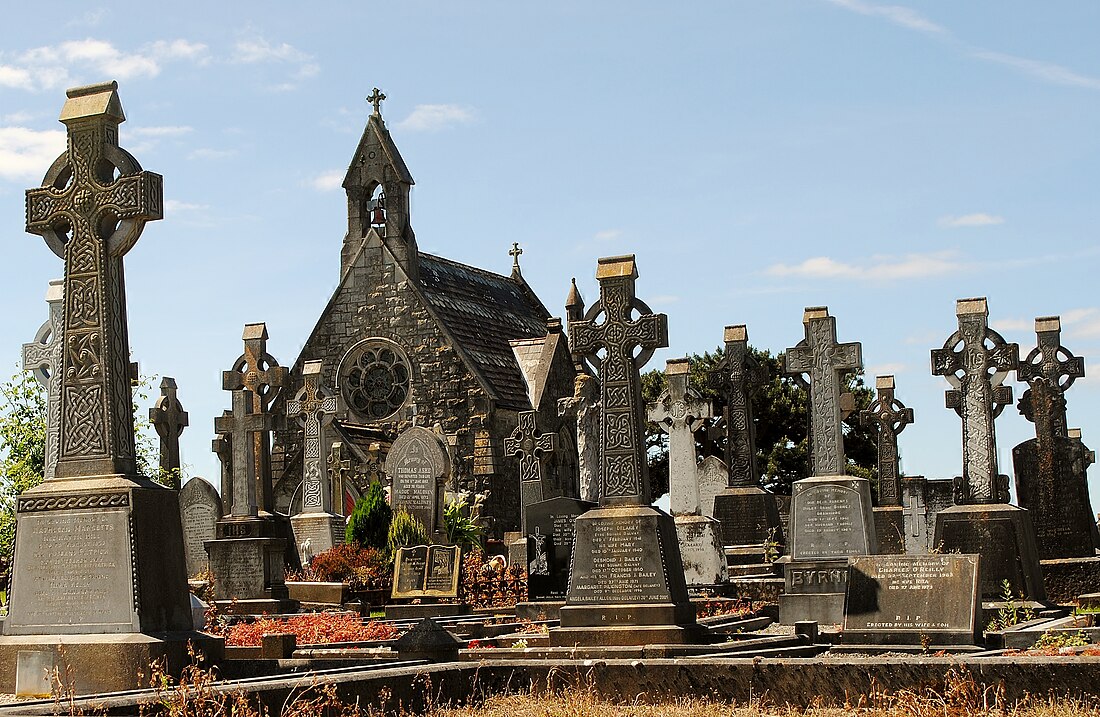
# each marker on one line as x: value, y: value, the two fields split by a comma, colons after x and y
x: 241, y: 427
x: 623, y: 468
x: 314, y: 406
x: 260, y: 374
x: 826, y: 361
x: 340, y: 469
x: 890, y: 417
x: 375, y: 99
x: 966, y: 360
x: 1049, y: 370
x: 222, y: 446
x: 1090, y: 456
x: 735, y: 378
x: 531, y: 446
x: 169, y: 419
x: 680, y: 411
x: 42, y: 357
x: 91, y: 218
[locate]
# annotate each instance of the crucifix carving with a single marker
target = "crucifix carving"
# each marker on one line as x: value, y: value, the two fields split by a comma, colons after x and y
x: 826, y: 361
x: 975, y: 360
x: 169, y: 419
x: 917, y: 509
x: 680, y: 411
x: 375, y: 99
x: 890, y: 417
x: 260, y: 374
x: 314, y: 406
x: 241, y: 427
x: 735, y: 378
x: 623, y: 468
x: 42, y: 357
x: 91, y: 219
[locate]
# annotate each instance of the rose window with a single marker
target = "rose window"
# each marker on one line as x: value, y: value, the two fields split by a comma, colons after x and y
x: 376, y: 381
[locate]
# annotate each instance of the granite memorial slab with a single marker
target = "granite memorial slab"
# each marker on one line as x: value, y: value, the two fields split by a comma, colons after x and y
x: 550, y: 546
x: 200, y: 511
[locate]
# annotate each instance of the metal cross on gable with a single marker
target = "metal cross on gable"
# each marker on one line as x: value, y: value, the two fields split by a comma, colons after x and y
x: 735, y: 378
x: 680, y: 411
x: 91, y: 219
x: 314, y: 406
x: 826, y: 361
x: 623, y: 469
x: 975, y: 360
x: 891, y: 417
x: 375, y: 99
x: 1049, y: 370
x: 169, y: 419
x: 42, y: 357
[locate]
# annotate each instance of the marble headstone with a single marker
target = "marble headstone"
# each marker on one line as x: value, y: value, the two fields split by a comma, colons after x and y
x: 200, y: 511
x: 419, y: 467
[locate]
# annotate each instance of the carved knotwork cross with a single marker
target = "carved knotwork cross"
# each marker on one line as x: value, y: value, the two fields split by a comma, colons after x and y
x: 735, y: 378
x: 314, y: 406
x: 530, y: 445
x: 891, y: 417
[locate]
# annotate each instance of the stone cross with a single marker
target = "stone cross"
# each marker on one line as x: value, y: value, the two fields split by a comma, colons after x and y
x: 169, y: 419
x: 91, y: 218
x: 826, y: 361
x: 341, y: 470
x: 890, y: 417
x: 1090, y: 456
x: 917, y: 508
x: 680, y: 411
x: 241, y: 427
x: 966, y: 360
x: 1049, y: 370
x: 375, y: 99
x: 314, y: 406
x: 583, y: 409
x: 623, y: 469
x: 259, y: 373
x: 531, y: 446
x: 735, y: 377
x: 42, y: 357
x: 222, y: 446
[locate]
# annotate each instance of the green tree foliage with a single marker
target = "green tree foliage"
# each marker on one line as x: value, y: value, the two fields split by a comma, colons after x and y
x: 781, y: 415
x: 405, y: 530
x: 462, y: 530
x: 369, y: 524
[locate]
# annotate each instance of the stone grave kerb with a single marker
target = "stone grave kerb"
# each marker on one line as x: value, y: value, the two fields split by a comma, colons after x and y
x: 680, y: 411
x: 42, y: 357
x: 890, y: 417
x: 169, y: 420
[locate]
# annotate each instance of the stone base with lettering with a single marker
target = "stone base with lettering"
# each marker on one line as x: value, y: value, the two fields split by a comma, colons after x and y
x: 105, y: 663
x: 1066, y: 579
x: 322, y: 530
x: 1005, y: 538
x: 536, y: 611
x: 831, y: 518
x: 100, y: 555
x: 626, y: 585
x: 890, y: 529
x: 910, y: 599
x: 813, y: 590
x: 748, y: 515
x: 250, y: 571
x: 701, y: 550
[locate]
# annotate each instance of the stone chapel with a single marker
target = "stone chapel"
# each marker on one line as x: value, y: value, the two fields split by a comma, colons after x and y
x: 409, y: 338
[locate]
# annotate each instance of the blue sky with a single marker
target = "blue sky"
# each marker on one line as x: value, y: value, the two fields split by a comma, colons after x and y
x: 880, y: 159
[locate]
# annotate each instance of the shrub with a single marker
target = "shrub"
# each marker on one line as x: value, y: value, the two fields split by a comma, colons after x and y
x: 462, y: 530
x: 405, y: 530
x: 341, y: 562
x: 369, y: 524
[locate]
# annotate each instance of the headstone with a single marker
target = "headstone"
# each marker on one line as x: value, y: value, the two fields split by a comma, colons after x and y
x: 427, y: 571
x: 551, y: 525
x: 831, y: 515
x: 626, y: 584
x: 169, y: 419
x: 419, y: 468
x: 340, y: 470
x: 98, y: 548
x: 748, y: 514
x: 713, y: 476
x: 584, y: 408
x: 975, y: 360
x: 913, y: 599
x: 200, y: 511
x: 889, y: 418
x: 532, y: 447
x: 314, y: 407
x: 42, y: 357
x: 1051, y: 480
x: 924, y: 499
x: 680, y: 411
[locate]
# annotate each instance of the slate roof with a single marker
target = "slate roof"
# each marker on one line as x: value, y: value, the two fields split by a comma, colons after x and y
x: 484, y: 311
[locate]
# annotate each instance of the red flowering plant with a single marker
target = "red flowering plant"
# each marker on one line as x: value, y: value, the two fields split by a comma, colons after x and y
x: 317, y: 628
x: 361, y: 568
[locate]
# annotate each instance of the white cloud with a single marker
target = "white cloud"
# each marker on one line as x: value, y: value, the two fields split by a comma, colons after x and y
x: 1011, y: 324
x: 883, y: 268
x: 1076, y: 316
x: 431, y: 118
x: 17, y: 118
x: 163, y: 131
x: 175, y: 205
x: 608, y: 234
x: 208, y: 153
x: 25, y: 154
x: 662, y: 300
x: 1045, y: 71
x: 897, y: 14
x: 255, y: 49
x: 979, y: 219
x: 178, y: 50
x: 15, y: 77
x: 328, y: 181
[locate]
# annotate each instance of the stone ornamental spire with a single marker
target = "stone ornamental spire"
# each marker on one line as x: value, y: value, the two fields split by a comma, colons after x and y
x: 90, y: 218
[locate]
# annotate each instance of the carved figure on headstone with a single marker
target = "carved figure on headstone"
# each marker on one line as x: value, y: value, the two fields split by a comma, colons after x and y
x: 42, y: 357
x: 169, y: 419
x: 891, y: 417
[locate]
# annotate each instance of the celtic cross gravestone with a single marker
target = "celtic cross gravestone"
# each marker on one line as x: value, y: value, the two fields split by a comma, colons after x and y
x: 42, y: 357
x: 531, y: 446
x: 169, y: 419
x: 890, y: 417
x: 314, y: 407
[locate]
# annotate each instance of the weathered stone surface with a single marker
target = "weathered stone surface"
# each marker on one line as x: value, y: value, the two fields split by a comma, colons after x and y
x: 169, y: 419
x: 550, y: 546
x: 584, y: 407
x: 531, y: 446
x: 831, y: 518
x: 890, y: 417
x: 904, y: 599
x: 428, y: 640
x: 42, y: 357
x: 426, y: 571
x: 248, y: 568
x: 701, y: 550
x: 713, y: 475
x: 200, y: 511
x: 924, y: 498
x: 1004, y: 537
x: 317, y: 527
x: 890, y: 529
x: 419, y: 467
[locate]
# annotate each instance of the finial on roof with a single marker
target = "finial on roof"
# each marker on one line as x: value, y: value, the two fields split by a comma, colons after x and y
x: 375, y: 99
x: 514, y: 252
x: 574, y: 298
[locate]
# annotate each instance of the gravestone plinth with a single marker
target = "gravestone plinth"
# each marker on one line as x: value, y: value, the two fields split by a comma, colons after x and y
x: 248, y: 573
x: 1051, y: 483
x: 200, y: 511
x: 910, y: 599
x: 749, y: 515
x: 1005, y: 538
x: 625, y: 588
